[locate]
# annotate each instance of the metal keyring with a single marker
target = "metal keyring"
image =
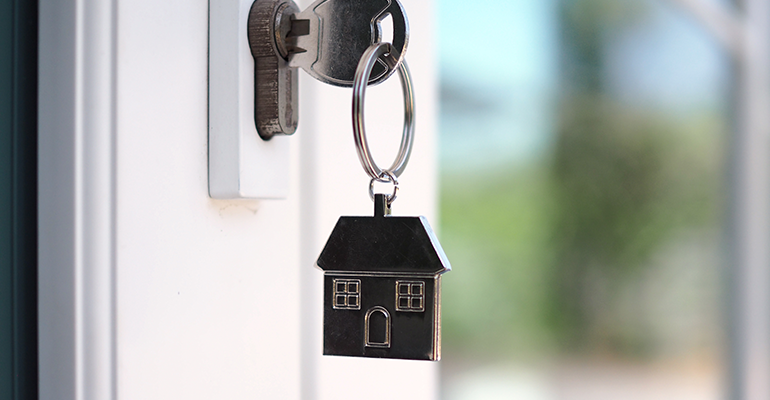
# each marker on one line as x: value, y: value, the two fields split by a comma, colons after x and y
x: 363, y: 71
x: 386, y: 176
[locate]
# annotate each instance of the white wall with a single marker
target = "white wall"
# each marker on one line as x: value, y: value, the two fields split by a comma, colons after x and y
x: 220, y: 299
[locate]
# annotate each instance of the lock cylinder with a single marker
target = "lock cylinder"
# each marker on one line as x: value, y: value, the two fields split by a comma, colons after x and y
x: 276, y: 107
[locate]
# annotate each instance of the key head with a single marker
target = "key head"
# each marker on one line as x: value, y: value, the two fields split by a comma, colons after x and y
x: 340, y: 31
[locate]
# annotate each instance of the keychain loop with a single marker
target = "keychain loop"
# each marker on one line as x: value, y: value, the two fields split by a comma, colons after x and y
x: 363, y: 72
x: 385, y: 176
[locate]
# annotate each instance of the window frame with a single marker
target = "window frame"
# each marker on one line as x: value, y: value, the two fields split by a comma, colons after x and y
x: 347, y: 293
x: 410, y: 296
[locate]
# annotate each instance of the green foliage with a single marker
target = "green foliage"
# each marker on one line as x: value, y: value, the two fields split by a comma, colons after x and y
x: 551, y: 254
x: 542, y: 255
x: 585, y: 27
x: 625, y: 181
x: 495, y: 229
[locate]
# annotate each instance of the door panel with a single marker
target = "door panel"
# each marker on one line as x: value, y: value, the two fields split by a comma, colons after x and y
x: 216, y: 298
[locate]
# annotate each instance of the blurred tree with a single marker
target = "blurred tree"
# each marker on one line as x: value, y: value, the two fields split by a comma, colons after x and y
x: 559, y: 246
x: 618, y: 190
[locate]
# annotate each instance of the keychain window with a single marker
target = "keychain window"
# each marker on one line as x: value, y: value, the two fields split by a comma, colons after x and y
x: 410, y: 296
x: 347, y: 294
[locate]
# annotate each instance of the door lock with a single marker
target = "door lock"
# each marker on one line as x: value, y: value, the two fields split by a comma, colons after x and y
x: 326, y: 40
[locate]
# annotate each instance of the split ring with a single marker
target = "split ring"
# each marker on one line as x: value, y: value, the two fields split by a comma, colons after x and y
x: 385, y: 176
x: 363, y: 72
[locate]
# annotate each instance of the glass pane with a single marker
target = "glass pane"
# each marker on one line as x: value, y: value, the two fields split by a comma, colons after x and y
x: 582, y: 200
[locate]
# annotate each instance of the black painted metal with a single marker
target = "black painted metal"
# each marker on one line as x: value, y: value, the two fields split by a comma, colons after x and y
x: 383, y: 243
x: 414, y: 335
x: 18, y: 200
x: 377, y: 253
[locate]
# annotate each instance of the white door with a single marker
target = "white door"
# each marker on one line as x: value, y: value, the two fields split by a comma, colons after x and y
x: 149, y: 289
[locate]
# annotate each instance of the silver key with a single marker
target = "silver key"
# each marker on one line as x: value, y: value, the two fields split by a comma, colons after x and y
x: 332, y: 35
x: 326, y: 40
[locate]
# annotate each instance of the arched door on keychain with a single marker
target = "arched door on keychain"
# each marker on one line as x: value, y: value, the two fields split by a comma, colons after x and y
x: 377, y: 327
x: 147, y: 281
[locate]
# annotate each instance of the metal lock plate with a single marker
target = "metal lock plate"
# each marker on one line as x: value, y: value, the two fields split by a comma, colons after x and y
x: 326, y: 40
x: 241, y: 164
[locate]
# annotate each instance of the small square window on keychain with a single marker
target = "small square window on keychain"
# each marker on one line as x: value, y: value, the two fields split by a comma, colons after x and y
x: 382, y: 274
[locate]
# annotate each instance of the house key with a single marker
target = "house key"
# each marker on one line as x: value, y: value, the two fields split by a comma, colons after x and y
x: 338, y: 33
x: 326, y: 40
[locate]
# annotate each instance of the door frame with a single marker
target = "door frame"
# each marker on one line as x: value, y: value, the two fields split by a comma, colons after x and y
x: 18, y: 200
x: 77, y: 199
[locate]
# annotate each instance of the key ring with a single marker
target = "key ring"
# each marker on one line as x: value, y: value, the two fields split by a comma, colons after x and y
x: 386, y: 176
x: 363, y: 72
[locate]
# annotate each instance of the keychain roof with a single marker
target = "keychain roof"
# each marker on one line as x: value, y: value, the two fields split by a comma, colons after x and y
x: 383, y: 243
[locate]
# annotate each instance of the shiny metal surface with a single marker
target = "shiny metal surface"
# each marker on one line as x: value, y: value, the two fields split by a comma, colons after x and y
x: 327, y: 40
x: 396, y: 265
x: 369, y: 341
x: 386, y: 176
x: 276, y: 108
x: 340, y: 31
x: 363, y: 71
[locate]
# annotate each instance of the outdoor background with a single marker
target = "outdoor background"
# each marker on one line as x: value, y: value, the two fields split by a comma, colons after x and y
x: 583, y: 147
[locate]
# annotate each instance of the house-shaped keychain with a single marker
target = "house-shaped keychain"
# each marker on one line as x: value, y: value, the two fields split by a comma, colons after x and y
x: 382, y: 287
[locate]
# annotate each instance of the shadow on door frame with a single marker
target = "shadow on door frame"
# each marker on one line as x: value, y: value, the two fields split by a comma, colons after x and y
x: 18, y: 199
